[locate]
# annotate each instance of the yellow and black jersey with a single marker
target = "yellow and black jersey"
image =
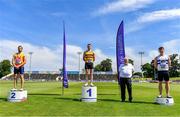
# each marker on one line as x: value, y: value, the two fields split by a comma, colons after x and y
x: 89, y: 56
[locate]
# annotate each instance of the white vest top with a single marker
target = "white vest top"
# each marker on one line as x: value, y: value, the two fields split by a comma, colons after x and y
x: 162, y: 63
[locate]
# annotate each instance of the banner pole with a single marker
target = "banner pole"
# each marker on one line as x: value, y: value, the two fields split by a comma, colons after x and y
x: 62, y: 91
x: 65, y: 78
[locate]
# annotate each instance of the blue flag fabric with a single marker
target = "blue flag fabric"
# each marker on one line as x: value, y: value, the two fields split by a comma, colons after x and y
x: 65, y: 78
x: 120, y: 50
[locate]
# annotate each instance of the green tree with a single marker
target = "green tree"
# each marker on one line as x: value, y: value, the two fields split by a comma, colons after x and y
x: 147, y: 70
x: 138, y: 74
x: 5, y: 68
x: 105, y: 65
x: 131, y: 61
x: 98, y: 67
x: 175, y: 66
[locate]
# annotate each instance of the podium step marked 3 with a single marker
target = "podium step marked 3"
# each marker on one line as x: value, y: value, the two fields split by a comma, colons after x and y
x: 164, y: 101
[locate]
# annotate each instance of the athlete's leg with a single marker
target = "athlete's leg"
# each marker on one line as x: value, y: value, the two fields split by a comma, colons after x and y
x: 167, y: 87
x: 22, y: 80
x: 15, y: 80
x: 160, y: 88
x: 22, y: 77
x: 91, y: 75
x: 160, y: 78
x: 86, y: 70
x: 87, y: 74
x: 167, y: 84
x: 16, y: 71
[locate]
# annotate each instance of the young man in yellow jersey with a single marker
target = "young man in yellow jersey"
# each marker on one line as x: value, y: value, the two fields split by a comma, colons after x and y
x: 18, y: 62
x: 89, y: 58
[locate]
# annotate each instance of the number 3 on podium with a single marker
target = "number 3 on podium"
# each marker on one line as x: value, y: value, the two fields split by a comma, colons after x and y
x: 13, y: 95
x: 89, y: 91
x: 167, y: 101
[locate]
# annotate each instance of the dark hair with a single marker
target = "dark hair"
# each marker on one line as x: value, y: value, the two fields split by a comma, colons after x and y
x: 88, y: 44
x: 160, y: 48
x: 20, y: 46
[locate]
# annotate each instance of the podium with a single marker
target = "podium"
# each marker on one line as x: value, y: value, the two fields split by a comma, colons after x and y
x: 89, y: 94
x: 17, y: 96
x: 164, y: 101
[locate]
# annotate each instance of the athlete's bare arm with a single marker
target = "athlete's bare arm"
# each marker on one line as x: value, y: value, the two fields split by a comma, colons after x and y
x: 84, y: 56
x: 13, y: 62
x: 155, y: 63
x: 94, y: 57
x: 24, y: 61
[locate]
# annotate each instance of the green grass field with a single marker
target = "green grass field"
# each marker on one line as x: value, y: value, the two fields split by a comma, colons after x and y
x: 44, y: 99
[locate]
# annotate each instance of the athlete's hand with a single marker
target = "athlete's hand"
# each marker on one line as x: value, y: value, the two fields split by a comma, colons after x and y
x: 12, y: 65
x: 17, y: 66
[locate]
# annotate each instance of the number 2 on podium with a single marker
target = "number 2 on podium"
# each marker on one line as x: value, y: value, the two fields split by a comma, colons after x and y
x: 90, y: 92
x: 13, y: 95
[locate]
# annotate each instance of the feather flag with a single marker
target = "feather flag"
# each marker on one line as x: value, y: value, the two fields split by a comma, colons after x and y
x: 120, y: 49
x: 65, y: 78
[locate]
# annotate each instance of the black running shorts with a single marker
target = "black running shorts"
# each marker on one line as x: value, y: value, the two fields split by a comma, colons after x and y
x: 89, y: 65
x: 163, y: 75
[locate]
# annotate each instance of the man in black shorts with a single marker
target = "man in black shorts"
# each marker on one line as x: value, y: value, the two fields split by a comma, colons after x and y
x: 162, y: 64
x: 89, y: 58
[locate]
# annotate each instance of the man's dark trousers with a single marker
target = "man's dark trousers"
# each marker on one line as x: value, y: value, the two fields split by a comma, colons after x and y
x: 126, y: 82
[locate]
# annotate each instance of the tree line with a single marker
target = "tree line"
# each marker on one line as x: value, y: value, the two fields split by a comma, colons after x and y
x: 174, y: 70
x: 148, y: 68
x: 106, y: 66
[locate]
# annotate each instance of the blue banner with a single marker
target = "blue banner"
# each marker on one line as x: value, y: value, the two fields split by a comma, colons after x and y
x: 120, y: 50
x: 65, y: 78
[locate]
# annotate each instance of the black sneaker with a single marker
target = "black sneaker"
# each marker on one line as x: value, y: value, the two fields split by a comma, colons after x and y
x: 169, y: 96
x: 122, y: 100
x: 130, y: 99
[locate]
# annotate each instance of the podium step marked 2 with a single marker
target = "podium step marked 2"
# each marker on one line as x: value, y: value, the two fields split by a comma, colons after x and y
x: 17, y: 96
x: 165, y: 101
x: 89, y: 94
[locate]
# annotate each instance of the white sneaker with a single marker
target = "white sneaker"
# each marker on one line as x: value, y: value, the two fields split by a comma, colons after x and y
x: 21, y: 89
x: 92, y: 85
x: 159, y: 96
x: 14, y: 89
x: 86, y: 84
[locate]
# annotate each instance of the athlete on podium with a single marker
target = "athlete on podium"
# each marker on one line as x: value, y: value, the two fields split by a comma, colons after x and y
x: 89, y: 58
x: 162, y: 64
x: 18, y: 62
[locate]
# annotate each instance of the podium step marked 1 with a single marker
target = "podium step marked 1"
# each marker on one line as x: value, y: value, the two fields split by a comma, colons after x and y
x: 17, y: 96
x: 165, y: 101
x: 89, y: 94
